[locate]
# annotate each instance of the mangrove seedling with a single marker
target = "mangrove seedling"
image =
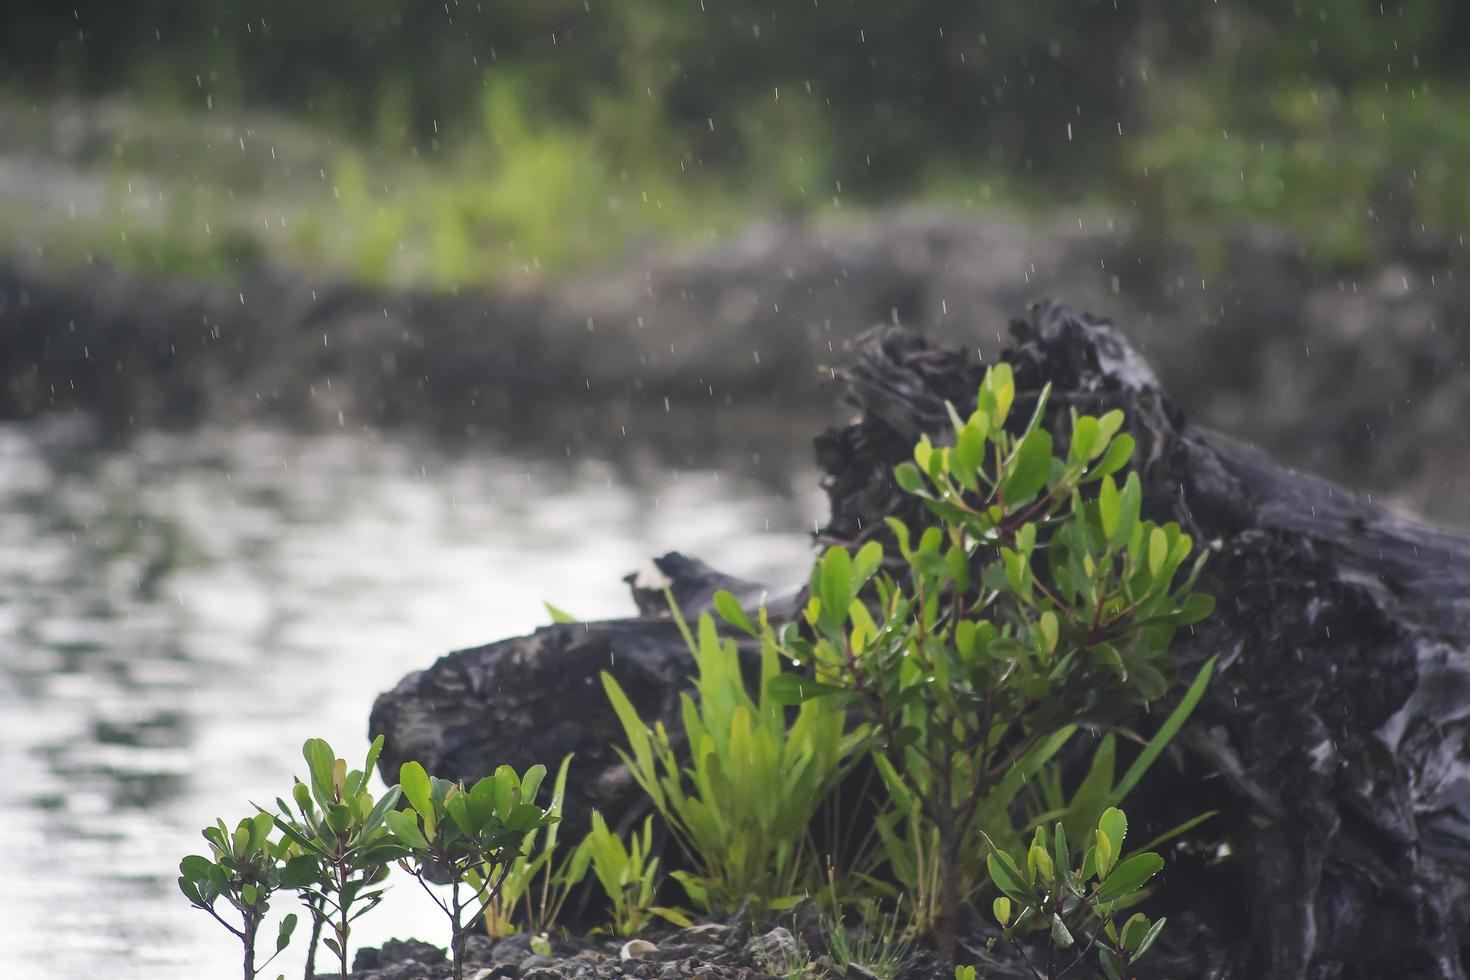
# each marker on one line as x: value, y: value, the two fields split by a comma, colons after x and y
x: 243, y: 869
x: 464, y: 832
x: 1040, y: 601
x: 1077, y: 904
x: 345, y: 847
x: 535, y: 883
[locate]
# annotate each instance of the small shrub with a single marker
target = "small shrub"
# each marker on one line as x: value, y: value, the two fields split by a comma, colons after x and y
x: 244, y: 869
x: 345, y: 847
x: 1041, y: 600
x: 1077, y: 905
x: 533, y: 882
x: 743, y: 808
x: 628, y: 874
x: 463, y: 831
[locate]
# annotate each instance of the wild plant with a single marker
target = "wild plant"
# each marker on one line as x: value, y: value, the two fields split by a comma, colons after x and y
x: 345, y: 847
x: 534, y: 883
x: 243, y: 868
x: 463, y: 832
x: 742, y: 809
x: 1077, y: 905
x: 1041, y: 601
x: 627, y: 872
x: 877, y: 944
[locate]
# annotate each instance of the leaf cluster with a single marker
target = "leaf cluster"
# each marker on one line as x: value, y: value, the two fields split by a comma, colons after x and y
x: 1040, y: 601
x: 243, y: 868
x: 1077, y: 904
x: 743, y: 807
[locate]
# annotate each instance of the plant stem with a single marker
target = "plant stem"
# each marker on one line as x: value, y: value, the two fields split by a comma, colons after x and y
x: 318, y: 916
x: 949, y: 846
x: 456, y: 931
x: 342, y: 928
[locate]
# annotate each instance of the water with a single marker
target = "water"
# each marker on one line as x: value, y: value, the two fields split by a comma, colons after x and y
x: 176, y: 618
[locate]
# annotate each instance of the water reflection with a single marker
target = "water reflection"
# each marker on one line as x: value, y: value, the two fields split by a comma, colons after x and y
x: 176, y: 617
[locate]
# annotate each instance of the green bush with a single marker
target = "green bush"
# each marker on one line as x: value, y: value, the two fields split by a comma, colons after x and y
x: 1040, y: 602
x: 471, y: 834
x: 1076, y: 905
x: 627, y: 872
x: 534, y: 882
x: 342, y: 844
x: 244, y: 868
x: 742, y: 810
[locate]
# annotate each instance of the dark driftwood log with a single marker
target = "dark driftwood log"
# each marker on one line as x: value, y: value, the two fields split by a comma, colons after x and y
x: 1333, y: 741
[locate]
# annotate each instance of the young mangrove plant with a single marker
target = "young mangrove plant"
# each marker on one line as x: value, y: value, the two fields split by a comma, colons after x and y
x: 345, y: 847
x: 243, y: 868
x: 627, y: 872
x: 534, y: 885
x: 743, y: 808
x: 1042, y: 600
x: 1077, y: 905
x: 461, y: 832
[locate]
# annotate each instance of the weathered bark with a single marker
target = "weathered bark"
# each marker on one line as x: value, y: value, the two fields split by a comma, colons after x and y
x: 1335, y: 739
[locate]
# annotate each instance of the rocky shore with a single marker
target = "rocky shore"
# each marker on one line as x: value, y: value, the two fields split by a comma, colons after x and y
x: 1359, y: 376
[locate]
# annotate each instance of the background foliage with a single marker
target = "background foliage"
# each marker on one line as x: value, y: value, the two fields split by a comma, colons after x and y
x: 530, y: 133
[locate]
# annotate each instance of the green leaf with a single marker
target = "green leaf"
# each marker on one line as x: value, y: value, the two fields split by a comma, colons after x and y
x: 414, y: 781
x: 300, y: 872
x: 836, y: 582
x: 559, y: 615
x: 1112, y: 966
x: 196, y: 867
x: 405, y: 826
x: 1158, y: 550
x: 1195, y: 608
x: 787, y: 688
x: 907, y: 476
x: 319, y: 760
x: 1149, y: 938
x: 1114, y: 823
x: 1108, y: 507
x: 1007, y: 877
x: 1166, y: 732
x: 1002, y: 909
x: 1086, y: 440
x: 1118, y: 454
x: 1047, y: 624
x: 1133, y: 931
x: 1104, y: 851
x: 1059, y: 933
x: 339, y: 817
x: 283, y: 935
x: 865, y: 563
x: 729, y: 609
x: 1060, y: 853
x: 1030, y: 468
x: 1129, y: 876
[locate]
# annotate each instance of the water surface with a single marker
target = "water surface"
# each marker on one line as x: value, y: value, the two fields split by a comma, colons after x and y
x: 176, y: 617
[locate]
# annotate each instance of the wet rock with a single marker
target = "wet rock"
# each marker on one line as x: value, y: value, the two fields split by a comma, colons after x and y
x: 1315, y: 365
x: 396, y: 959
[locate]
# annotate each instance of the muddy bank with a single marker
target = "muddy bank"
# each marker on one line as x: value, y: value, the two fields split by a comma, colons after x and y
x: 1360, y: 377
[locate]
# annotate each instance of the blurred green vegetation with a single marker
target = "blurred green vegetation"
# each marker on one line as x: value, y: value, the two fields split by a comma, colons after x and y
x: 457, y: 141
